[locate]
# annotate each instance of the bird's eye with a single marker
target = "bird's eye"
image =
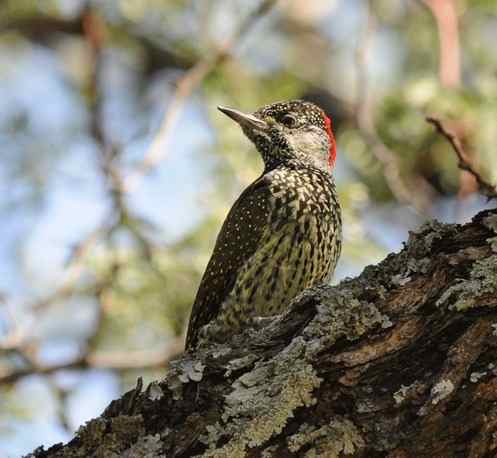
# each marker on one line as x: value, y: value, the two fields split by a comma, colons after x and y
x: 288, y: 121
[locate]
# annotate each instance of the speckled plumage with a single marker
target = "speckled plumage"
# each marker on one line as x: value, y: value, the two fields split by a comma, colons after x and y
x: 283, y: 234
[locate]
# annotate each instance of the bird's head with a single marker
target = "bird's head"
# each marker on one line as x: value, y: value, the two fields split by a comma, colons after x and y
x: 296, y: 132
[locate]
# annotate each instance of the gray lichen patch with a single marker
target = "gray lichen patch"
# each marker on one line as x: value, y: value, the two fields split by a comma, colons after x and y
x: 183, y: 371
x: 416, y: 258
x: 192, y: 371
x: 406, y: 392
x: 491, y: 223
x: 418, y: 266
x: 475, y: 376
x: 270, y: 452
x: 127, y: 428
x: 110, y: 436
x: 483, y: 281
x: 421, y: 242
x: 146, y: 447
x: 417, y: 255
x: 434, y: 230
x: 441, y: 390
x: 154, y: 391
x: 339, y: 315
x: 493, y: 243
x: 262, y: 402
x: 92, y: 432
x: 340, y: 437
x: 240, y: 363
x: 400, y: 395
x: 400, y: 279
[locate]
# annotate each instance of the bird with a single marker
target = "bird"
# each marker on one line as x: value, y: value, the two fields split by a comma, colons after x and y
x: 284, y: 232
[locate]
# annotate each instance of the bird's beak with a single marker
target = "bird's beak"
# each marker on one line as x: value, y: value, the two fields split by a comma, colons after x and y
x: 245, y: 120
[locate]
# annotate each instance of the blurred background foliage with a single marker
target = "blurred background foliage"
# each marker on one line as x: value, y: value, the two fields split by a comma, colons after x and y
x: 116, y: 169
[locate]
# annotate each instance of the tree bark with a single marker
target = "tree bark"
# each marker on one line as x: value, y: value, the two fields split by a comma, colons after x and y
x: 398, y: 362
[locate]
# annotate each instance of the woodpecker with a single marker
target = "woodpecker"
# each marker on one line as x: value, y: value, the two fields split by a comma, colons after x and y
x: 284, y: 232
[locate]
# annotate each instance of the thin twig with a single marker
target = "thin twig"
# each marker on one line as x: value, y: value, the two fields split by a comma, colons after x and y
x: 184, y: 88
x: 485, y: 187
x: 118, y: 361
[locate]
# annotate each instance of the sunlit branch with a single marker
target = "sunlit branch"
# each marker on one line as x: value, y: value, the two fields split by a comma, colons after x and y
x: 485, y: 187
x: 117, y: 361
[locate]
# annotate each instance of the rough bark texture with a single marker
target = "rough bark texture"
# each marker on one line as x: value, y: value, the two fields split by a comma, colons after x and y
x: 399, y: 362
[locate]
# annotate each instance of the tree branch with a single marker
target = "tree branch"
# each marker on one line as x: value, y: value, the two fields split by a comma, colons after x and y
x: 117, y: 361
x: 397, y: 362
x: 486, y: 188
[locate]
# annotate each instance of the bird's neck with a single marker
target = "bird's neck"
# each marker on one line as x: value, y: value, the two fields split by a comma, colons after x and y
x: 296, y: 165
x: 298, y: 152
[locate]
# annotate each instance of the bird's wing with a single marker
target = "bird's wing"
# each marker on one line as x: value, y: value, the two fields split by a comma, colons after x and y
x: 237, y: 241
